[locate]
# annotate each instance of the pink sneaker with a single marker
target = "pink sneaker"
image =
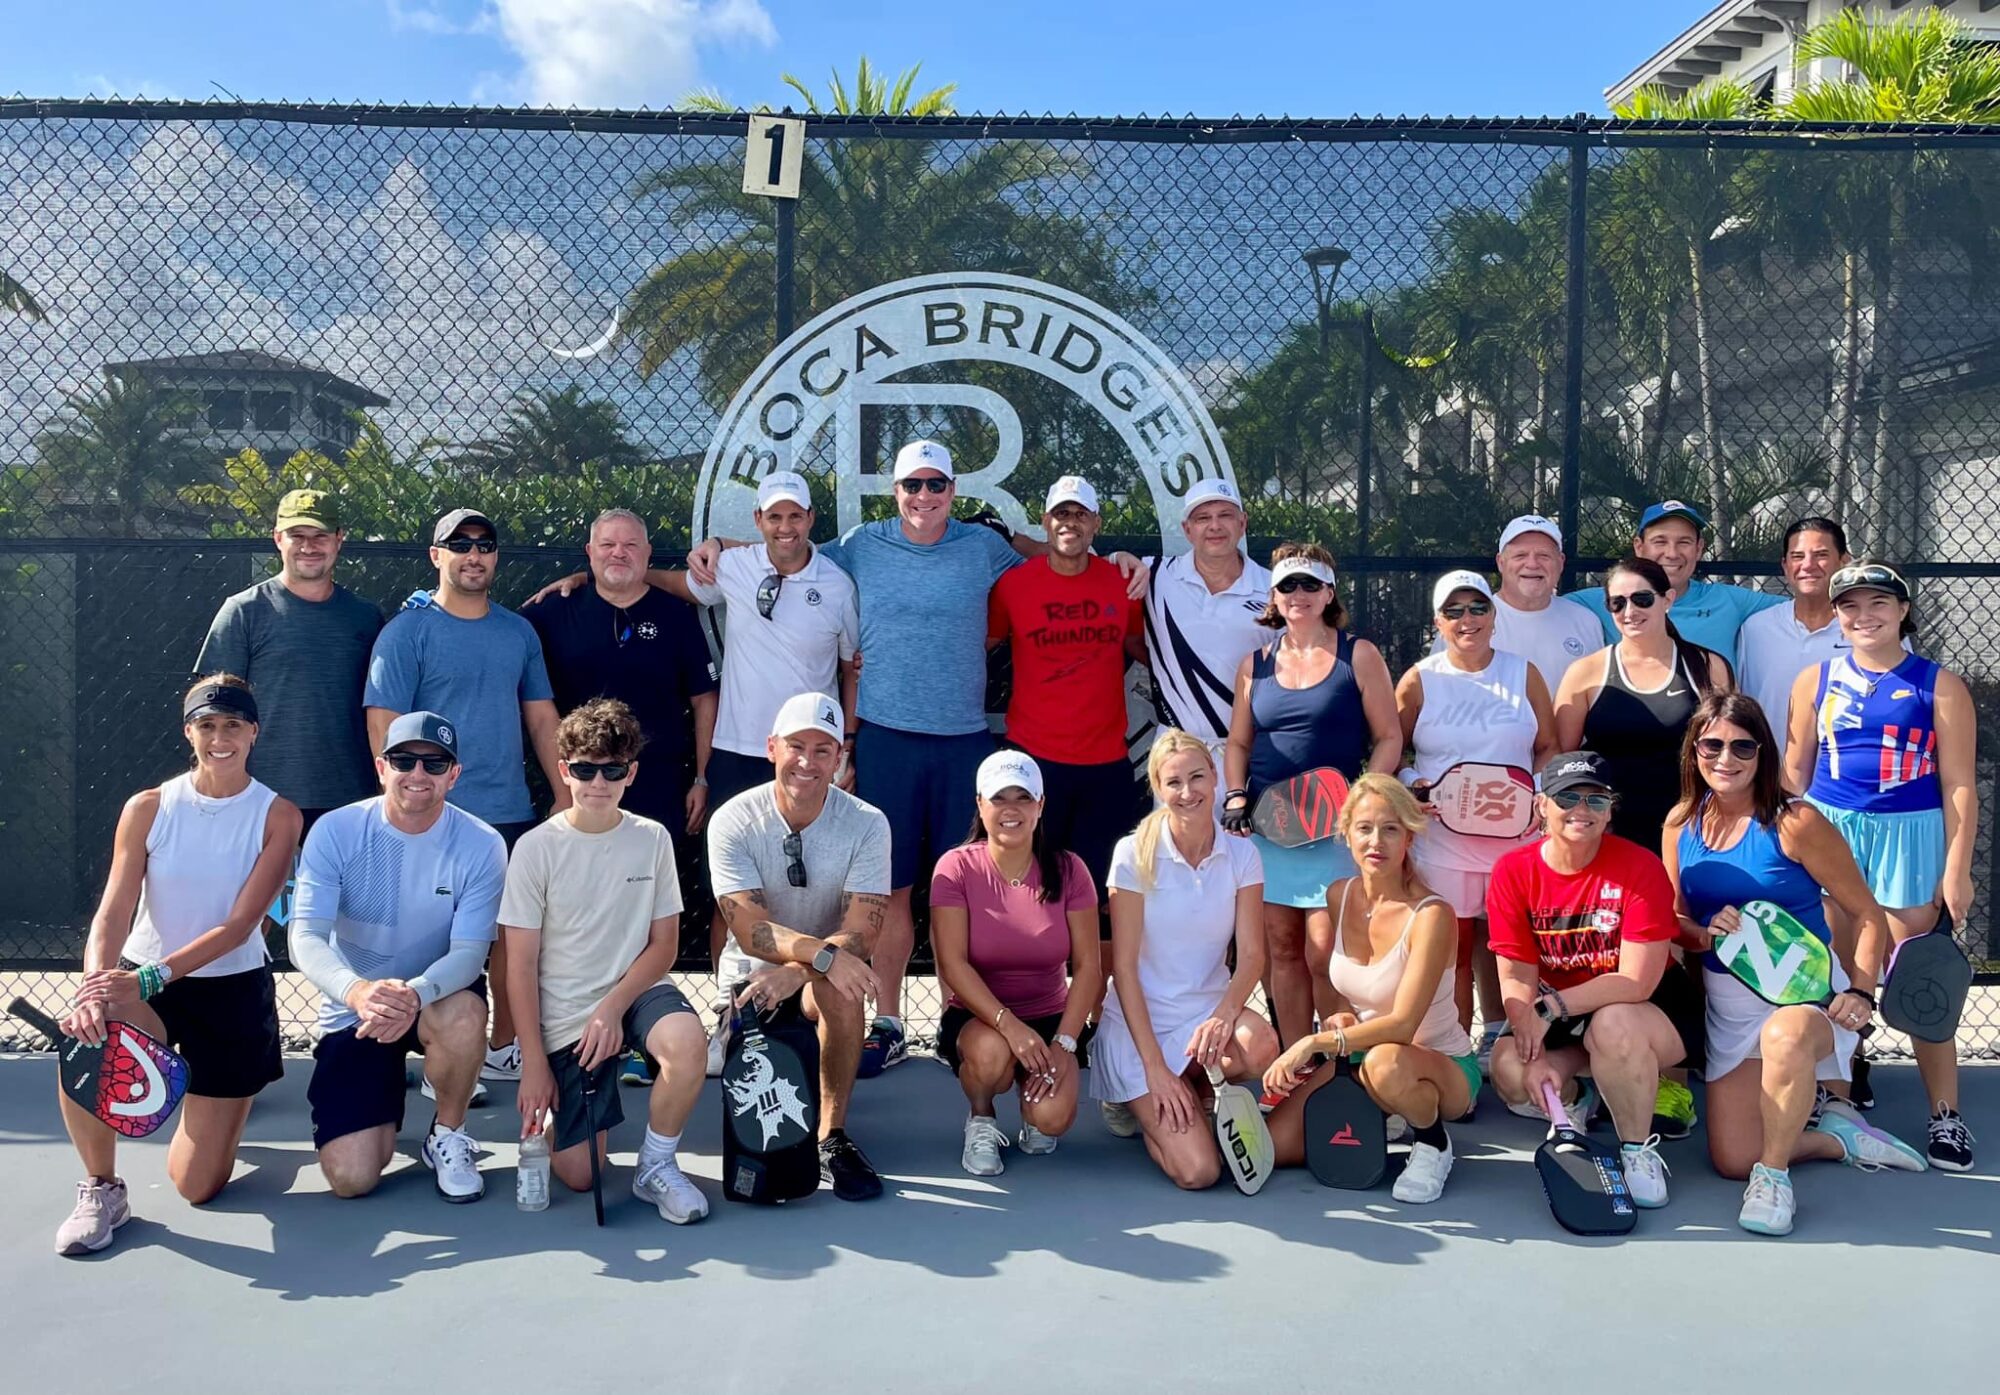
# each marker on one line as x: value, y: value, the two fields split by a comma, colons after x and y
x: 100, y: 1209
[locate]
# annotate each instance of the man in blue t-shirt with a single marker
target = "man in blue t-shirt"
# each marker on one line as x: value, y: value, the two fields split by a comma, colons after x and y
x: 480, y: 666
x: 398, y: 900
x: 1707, y: 612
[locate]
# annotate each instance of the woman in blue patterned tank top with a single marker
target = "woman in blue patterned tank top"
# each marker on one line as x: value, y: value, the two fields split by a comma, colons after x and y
x: 1888, y: 740
x: 1735, y: 837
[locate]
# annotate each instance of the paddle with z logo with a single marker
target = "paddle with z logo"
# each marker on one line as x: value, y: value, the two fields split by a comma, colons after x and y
x: 1245, y: 1139
x: 1482, y: 800
x: 1347, y: 1135
x: 130, y: 1080
x: 1301, y: 810
x: 1776, y: 956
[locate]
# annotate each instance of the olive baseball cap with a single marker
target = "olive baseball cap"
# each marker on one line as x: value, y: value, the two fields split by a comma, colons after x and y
x: 309, y: 508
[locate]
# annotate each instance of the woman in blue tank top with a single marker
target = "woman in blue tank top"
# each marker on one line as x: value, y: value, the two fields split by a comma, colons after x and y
x: 1316, y: 697
x: 1887, y: 738
x: 1735, y: 837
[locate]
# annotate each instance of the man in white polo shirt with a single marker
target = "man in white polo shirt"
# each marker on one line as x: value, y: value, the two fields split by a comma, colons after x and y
x: 1776, y: 645
x: 1201, y: 614
x: 1529, y: 618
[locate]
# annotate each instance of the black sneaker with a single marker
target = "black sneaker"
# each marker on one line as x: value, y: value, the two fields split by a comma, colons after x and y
x: 844, y: 1167
x: 1860, y: 1093
x: 1951, y: 1141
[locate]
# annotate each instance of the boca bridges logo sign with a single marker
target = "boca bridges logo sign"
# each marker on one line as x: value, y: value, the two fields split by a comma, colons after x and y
x: 804, y: 403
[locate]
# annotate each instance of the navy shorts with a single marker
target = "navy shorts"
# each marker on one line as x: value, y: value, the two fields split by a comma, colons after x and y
x: 730, y: 773
x: 660, y: 1001
x: 1086, y: 809
x: 923, y: 784
x: 956, y: 1019
x: 227, y: 1028
x: 357, y: 1083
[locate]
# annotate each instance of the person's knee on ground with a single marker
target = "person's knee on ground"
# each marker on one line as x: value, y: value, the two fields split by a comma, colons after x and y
x: 353, y: 1164
x: 571, y: 1166
x: 1190, y: 1160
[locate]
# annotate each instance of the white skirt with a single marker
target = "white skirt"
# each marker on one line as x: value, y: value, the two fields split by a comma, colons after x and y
x: 1117, y: 1071
x: 1736, y: 1017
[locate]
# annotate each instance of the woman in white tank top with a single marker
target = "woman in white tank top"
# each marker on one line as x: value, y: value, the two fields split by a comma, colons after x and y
x: 177, y: 949
x: 1390, y: 972
x: 1471, y: 702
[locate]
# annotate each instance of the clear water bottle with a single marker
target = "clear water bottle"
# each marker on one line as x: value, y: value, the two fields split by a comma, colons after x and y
x: 531, y: 1178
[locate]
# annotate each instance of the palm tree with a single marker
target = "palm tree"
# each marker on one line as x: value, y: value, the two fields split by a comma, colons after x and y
x: 129, y: 444
x: 16, y: 297
x: 1922, y: 67
x: 556, y: 433
x: 872, y: 96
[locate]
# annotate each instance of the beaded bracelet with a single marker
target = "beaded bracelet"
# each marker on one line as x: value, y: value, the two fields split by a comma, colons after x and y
x: 150, y: 982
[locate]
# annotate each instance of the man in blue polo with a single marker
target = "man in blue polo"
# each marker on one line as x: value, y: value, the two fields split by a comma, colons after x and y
x: 1707, y: 612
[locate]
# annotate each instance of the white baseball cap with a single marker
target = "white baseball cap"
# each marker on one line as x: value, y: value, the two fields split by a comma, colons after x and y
x: 1532, y: 523
x: 1458, y: 581
x: 1005, y: 770
x: 1071, y: 489
x: 1301, y: 566
x: 808, y: 712
x: 1207, y: 492
x: 784, y: 484
x: 923, y: 455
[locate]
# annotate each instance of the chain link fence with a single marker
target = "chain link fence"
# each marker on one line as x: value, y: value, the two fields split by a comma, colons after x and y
x: 1404, y: 333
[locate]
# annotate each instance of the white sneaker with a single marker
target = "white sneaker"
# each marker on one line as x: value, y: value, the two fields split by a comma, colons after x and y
x: 1423, y: 1176
x: 101, y: 1207
x: 983, y: 1142
x: 1396, y: 1129
x: 665, y: 1186
x: 718, y: 1048
x: 1122, y: 1122
x: 1864, y: 1146
x: 1645, y: 1172
x: 479, y: 1093
x: 1768, y: 1203
x: 1035, y: 1143
x: 502, y: 1063
x: 454, y: 1157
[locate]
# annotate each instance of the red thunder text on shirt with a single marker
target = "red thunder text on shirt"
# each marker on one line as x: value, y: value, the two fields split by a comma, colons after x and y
x: 1068, y: 639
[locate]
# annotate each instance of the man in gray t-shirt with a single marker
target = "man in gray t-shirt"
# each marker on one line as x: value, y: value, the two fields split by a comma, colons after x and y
x: 302, y: 642
x: 801, y: 874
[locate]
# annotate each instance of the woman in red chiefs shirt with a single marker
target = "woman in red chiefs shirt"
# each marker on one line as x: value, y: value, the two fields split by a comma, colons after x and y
x: 1582, y: 923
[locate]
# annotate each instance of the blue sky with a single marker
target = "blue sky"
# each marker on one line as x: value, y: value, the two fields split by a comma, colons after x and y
x: 1097, y: 57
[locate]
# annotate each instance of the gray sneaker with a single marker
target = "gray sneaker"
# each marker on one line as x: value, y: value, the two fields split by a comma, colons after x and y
x: 1035, y: 1143
x: 100, y: 1209
x: 1119, y: 1118
x: 665, y: 1187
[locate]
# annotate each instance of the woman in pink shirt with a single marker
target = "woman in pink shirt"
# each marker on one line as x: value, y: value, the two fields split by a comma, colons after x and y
x: 1014, y: 928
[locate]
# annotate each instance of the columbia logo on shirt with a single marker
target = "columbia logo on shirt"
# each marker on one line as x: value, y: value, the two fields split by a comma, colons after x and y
x: 648, y: 877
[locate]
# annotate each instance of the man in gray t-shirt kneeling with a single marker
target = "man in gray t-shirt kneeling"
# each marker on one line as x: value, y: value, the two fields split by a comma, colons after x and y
x: 801, y: 874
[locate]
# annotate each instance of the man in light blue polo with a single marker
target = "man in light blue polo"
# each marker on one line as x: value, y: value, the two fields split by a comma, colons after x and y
x: 1707, y: 612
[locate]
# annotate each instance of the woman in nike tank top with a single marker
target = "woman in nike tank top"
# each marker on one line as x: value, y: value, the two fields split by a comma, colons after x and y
x: 1316, y: 697
x: 1888, y: 739
x: 177, y: 949
x: 1391, y: 970
x: 1470, y: 702
x: 1737, y: 837
x: 1630, y: 702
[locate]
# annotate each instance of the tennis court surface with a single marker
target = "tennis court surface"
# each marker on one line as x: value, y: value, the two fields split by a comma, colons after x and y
x: 1084, y: 1266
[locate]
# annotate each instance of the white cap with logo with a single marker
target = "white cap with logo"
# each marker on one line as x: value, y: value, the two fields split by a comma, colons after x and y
x: 1532, y: 523
x: 923, y: 455
x: 1208, y: 492
x: 808, y: 712
x: 784, y: 484
x: 1005, y: 770
x: 1301, y: 566
x: 1458, y: 581
x: 1071, y: 489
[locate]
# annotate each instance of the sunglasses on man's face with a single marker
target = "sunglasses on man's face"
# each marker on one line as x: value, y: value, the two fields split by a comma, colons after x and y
x: 936, y: 484
x: 1459, y: 612
x: 1596, y: 803
x: 767, y: 594
x: 795, y: 868
x: 464, y: 545
x: 1642, y: 599
x: 1307, y: 584
x: 433, y: 765
x: 584, y: 771
x: 1712, y: 747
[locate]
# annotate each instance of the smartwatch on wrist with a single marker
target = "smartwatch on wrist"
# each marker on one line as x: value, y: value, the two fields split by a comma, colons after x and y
x: 822, y: 960
x: 1543, y: 1010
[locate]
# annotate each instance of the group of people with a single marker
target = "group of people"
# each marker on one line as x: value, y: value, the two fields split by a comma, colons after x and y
x: 1078, y: 918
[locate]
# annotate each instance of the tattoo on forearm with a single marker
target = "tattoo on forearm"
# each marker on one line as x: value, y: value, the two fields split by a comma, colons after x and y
x: 737, y: 901
x: 764, y: 940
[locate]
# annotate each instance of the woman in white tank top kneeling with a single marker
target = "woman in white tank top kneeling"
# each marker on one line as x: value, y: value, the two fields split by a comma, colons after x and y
x: 177, y: 949
x: 1392, y: 972
x: 1471, y: 702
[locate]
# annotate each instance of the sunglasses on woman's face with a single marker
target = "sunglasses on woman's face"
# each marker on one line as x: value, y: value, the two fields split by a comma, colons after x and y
x: 1712, y: 747
x: 584, y: 771
x: 1459, y: 612
x: 1642, y: 599
x: 1307, y: 584
x: 433, y: 765
x: 936, y: 484
x: 1596, y: 803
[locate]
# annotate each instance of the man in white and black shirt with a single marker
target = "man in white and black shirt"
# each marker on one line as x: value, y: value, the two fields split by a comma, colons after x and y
x: 1201, y: 614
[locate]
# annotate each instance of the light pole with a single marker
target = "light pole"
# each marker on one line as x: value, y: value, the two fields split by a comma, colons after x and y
x: 1326, y: 264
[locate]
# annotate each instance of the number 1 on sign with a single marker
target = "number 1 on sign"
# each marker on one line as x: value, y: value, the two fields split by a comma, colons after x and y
x: 773, y: 156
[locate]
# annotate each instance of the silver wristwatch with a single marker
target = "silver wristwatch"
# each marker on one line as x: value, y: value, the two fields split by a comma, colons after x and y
x: 1066, y: 1042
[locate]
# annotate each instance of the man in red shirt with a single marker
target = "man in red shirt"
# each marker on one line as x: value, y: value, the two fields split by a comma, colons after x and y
x: 1067, y: 617
x: 1583, y: 925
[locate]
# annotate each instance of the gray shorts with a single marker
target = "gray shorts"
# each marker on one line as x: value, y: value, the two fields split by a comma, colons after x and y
x: 660, y: 1001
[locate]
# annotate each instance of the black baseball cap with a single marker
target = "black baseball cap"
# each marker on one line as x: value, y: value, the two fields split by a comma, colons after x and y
x: 221, y: 699
x: 456, y: 520
x: 1574, y: 770
x: 421, y: 726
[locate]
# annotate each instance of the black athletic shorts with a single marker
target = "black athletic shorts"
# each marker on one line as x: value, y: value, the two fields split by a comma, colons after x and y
x: 227, y: 1028
x: 1087, y: 808
x: 730, y: 774
x: 956, y: 1018
x: 358, y: 1083
x: 660, y: 1001
x: 1676, y: 996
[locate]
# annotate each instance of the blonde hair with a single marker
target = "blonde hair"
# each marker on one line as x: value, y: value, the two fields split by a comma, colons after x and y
x: 1391, y: 791
x: 1169, y: 743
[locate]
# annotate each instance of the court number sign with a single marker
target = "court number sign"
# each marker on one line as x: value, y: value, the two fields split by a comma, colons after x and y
x: 771, y: 159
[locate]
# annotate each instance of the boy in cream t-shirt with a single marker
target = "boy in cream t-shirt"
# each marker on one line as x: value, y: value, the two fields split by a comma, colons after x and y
x: 592, y: 919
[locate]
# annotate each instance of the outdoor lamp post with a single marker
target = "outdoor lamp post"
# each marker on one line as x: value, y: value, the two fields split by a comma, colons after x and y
x: 1325, y: 264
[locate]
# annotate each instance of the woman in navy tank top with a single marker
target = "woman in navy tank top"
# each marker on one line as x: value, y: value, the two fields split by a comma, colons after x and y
x: 1736, y: 837
x: 1882, y: 744
x: 1315, y: 697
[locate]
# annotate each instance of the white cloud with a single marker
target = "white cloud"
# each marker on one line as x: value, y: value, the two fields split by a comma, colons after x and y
x: 615, y: 53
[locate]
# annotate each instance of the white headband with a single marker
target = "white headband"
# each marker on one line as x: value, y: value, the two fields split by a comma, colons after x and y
x: 1301, y: 566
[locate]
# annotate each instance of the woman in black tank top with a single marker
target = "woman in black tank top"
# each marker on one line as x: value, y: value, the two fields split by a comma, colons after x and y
x: 1631, y: 702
